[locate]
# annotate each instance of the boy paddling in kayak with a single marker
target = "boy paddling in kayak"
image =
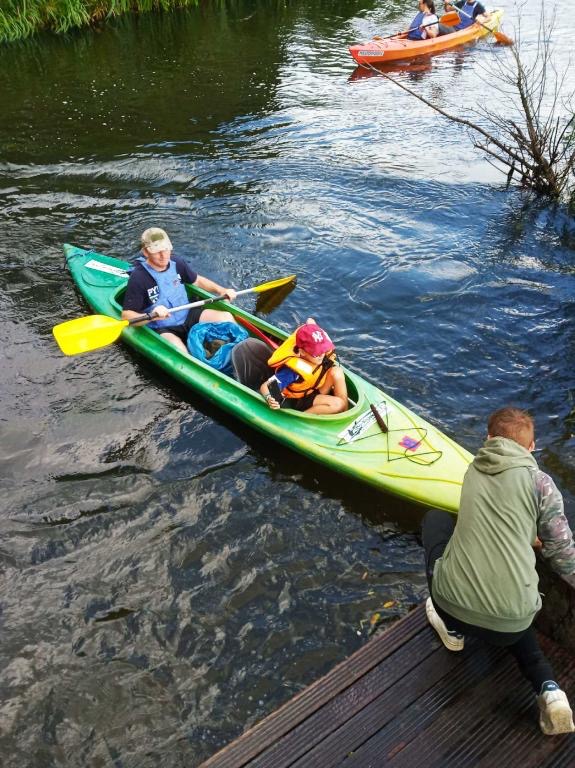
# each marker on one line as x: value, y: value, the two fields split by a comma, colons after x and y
x: 481, y: 567
x: 470, y: 11
x: 157, y: 283
x: 306, y: 375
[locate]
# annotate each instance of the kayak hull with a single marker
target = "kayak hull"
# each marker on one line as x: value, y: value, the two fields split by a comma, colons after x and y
x: 414, y: 460
x: 379, y: 51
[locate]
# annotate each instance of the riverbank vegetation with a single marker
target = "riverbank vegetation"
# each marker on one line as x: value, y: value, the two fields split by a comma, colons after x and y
x: 21, y: 18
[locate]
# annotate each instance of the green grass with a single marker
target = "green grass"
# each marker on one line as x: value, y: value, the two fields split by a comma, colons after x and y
x: 22, y: 18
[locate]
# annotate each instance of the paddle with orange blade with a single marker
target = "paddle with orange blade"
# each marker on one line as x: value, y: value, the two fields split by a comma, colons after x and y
x: 448, y: 18
x: 499, y: 36
x: 257, y: 331
x: 85, y: 334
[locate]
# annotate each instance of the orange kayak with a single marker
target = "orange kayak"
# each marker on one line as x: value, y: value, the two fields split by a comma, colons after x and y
x: 399, y: 48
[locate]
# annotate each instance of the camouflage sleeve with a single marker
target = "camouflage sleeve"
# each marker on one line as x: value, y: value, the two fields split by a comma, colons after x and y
x: 552, y: 526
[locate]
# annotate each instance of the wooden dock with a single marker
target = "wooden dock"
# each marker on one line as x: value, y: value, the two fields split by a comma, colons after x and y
x: 403, y: 700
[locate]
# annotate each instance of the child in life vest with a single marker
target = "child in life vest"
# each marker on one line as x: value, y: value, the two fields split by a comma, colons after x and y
x: 306, y: 374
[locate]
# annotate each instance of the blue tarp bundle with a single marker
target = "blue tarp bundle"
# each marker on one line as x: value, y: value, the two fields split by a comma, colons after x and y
x: 202, y: 334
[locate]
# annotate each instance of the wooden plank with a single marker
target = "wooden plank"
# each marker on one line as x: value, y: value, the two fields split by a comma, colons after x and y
x: 386, y: 710
x: 458, y: 727
x: 342, y: 708
x: 390, y: 723
x: 403, y: 700
x: 562, y: 755
x: 430, y: 731
x: 265, y: 733
x: 524, y: 744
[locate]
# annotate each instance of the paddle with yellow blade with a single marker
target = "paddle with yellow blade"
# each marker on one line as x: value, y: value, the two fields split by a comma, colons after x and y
x: 94, y: 331
x: 270, y: 300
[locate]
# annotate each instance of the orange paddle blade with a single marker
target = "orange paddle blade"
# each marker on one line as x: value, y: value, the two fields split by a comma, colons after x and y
x: 501, y: 38
x: 450, y: 18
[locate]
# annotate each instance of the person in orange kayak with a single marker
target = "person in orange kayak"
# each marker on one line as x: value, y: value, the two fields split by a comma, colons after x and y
x: 468, y: 10
x: 425, y: 23
x: 306, y: 376
x: 156, y: 284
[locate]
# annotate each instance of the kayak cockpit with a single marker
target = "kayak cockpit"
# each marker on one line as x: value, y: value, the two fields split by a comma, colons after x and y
x: 256, y: 329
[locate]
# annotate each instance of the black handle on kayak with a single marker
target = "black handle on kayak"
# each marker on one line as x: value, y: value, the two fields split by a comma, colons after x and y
x: 379, y: 418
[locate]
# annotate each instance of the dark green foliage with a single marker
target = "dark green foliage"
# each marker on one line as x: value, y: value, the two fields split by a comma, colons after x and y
x: 21, y: 18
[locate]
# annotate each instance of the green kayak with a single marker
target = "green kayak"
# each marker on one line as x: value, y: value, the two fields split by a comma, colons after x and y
x: 412, y: 459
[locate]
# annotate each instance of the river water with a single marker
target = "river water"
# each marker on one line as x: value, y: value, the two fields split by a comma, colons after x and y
x: 168, y: 576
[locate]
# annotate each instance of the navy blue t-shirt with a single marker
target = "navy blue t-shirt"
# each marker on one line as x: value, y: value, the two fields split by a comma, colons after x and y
x: 141, y: 285
x: 477, y: 8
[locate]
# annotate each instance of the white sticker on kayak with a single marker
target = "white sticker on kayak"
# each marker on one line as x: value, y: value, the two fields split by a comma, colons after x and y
x: 101, y: 267
x: 362, y: 423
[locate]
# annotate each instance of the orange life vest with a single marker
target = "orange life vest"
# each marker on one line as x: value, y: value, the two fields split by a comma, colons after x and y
x: 311, y: 377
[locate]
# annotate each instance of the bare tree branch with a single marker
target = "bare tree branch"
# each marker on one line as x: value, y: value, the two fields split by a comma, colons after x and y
x: 534, y: 139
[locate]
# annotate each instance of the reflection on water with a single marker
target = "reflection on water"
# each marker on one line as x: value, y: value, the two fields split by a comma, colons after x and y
x: 415, y: 67
x: 170, y: 576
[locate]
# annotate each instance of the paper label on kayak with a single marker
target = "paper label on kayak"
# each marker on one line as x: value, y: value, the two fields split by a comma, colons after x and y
x: 362, y: 423
x: 101, y: 267
x: 370, y: 53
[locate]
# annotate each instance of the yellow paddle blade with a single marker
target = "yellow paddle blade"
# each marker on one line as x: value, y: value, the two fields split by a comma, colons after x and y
x: 274, y: 284
x: 87, y: 333
x: 267, y: 302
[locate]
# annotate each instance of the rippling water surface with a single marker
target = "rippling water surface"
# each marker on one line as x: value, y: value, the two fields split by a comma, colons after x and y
x: 170, y: 577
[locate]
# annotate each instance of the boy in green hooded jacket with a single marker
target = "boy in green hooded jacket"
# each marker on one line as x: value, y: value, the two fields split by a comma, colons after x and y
x: 481, y: 567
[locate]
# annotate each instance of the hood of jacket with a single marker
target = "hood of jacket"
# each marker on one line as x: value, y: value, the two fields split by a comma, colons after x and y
x: 500, y: 453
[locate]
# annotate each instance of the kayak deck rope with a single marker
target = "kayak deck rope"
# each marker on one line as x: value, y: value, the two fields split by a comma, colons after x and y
x: 410, y: 443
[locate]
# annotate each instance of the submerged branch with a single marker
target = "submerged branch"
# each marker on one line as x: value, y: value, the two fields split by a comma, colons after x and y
x: 461, y: 120
x: 534, y: 134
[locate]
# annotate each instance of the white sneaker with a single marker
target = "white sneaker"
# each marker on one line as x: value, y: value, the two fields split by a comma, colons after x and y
x: 453, y: 641
x: 555, y: 715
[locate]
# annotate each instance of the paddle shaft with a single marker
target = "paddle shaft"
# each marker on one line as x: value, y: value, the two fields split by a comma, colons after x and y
x: 95, y: 331
x: 257, y: 331
x: 445, y: 19
x: 473, y: 18
x: 499, y: 36
x: 192, y: 305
